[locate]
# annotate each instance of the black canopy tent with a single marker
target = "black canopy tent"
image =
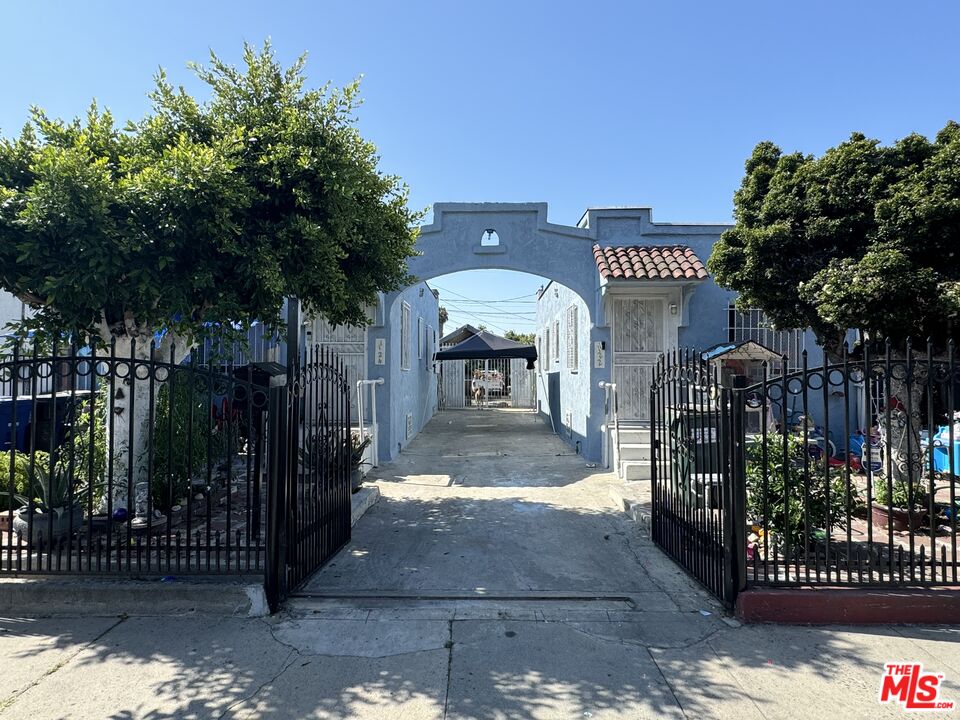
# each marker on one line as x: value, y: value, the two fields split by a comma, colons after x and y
x: 486, y: 346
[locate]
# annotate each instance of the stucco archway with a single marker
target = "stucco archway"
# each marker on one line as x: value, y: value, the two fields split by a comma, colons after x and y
x: 458, y: 240
x: 527, y: 243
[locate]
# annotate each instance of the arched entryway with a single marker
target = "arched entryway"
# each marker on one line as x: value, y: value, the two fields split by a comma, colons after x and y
x: 516, y: 237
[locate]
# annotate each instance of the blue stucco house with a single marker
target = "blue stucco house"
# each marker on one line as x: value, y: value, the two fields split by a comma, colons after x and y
x: 622, y: 289
x: 389, y: 366
x: 651, y: 294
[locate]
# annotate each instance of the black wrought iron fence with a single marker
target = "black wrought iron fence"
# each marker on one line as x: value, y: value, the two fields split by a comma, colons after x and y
x: 693, y: 478
x: 127, y: 462
x: 135, y: 460
x: 843, y: 473
x: 850, y: 488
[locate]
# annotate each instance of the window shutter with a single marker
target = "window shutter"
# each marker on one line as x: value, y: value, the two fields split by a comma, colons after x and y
x: 572, y: 340
x: 405, y: 337
x: 556, y: 341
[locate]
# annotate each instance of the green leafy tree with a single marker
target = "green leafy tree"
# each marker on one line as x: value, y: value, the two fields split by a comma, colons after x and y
x: 202, y: 216
x: 797, y: 501
x: 862, y: 237
x: 524, y: 338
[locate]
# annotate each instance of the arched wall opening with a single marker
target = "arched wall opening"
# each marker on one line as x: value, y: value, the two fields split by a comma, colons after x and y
x: 518, y: 238
x: 490, y: 309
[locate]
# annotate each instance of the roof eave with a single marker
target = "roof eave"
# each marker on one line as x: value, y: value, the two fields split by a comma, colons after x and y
x: 662, y: 282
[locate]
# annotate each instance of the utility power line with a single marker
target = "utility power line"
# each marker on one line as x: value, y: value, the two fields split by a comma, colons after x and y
x: 455, y: 305
x: 498, y: 302
x: 493, y: 314
x: 519, y: 297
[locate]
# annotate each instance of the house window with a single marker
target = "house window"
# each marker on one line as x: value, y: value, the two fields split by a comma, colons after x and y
x: 429, y: 344
x: 573, y: 359
x: 556, y: 341
x: 421, y: 338
x: 405, y: 337
x: 753, y: 324
x: 546, y: 355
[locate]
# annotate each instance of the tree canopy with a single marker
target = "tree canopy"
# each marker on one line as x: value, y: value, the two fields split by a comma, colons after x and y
x: 524, y: 338
x: 204, y: 211
x: 865, y: 237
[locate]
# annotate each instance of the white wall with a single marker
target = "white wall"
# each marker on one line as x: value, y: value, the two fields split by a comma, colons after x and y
x: 11, y: 309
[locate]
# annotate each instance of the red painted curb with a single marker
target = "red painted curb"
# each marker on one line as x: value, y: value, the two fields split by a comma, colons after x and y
x: 850, y: 606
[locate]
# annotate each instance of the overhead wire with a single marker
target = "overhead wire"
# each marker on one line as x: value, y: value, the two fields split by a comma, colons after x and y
x: 518, y: 297
x: 455, y: 306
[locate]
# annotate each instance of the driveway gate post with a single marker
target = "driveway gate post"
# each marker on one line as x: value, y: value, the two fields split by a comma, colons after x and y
x: 275, y: 567
x: 734, y: 444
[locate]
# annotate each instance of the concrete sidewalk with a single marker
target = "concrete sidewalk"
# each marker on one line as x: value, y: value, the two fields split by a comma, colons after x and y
x: 384, y: 658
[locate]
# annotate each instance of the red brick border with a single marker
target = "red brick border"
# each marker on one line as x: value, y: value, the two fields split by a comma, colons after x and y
x: 850, y: 606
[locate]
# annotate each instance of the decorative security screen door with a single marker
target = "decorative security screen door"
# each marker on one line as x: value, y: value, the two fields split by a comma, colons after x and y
x: 637, y: 343
x: 349, y: 344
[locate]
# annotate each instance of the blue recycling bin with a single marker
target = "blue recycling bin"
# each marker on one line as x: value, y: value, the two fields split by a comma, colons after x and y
x: 7, y: 414
x: 941, y: 458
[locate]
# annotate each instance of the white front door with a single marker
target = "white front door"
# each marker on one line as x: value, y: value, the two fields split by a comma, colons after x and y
x: 638, y: 340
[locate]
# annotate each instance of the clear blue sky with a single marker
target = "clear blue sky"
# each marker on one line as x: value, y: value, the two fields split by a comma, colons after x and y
x: 576, y: 104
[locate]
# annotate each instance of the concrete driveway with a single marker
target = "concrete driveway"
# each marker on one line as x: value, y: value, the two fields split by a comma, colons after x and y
x: 491, y: 501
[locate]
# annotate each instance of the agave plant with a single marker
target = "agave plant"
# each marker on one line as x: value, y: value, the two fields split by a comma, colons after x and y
x: 324, y: 449
x: 18, y: 468
x: 358, y: 443
x: 51, y: 491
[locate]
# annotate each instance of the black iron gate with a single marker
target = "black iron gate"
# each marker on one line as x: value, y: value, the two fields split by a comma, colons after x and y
x: 133, y: 461
x: 697, y: 453
x: 308, y: 518
x: 841, y: 474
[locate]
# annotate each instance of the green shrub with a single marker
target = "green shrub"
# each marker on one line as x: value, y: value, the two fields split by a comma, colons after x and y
x: 175, y: 457
x: 901, y: 493
x: 785, y: 492
x: 23, y: 479
x: 88, y: 463
x: 75, y: 458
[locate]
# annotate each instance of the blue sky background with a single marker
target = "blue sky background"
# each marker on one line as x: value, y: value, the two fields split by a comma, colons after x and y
x: 575, y: 104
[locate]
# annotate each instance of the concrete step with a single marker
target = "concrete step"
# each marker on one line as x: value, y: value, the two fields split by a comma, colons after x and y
x: 636, y: 434
x: 635, y: 451
x: 634, y: 470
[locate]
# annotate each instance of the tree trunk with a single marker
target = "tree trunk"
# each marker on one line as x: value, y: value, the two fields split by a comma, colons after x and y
x: 127, y: 444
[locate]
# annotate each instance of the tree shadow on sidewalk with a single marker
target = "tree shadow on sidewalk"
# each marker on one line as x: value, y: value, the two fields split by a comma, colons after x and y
x: 368, y: 661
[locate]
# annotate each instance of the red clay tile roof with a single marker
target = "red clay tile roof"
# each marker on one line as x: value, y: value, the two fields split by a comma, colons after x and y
x: 649, y: 262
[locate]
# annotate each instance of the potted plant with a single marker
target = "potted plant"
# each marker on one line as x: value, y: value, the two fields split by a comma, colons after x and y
x: 892, y: 505
x: 21, y: 480
x: 56, y: 508
x: 329, y: 449
x: 358, y: 444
